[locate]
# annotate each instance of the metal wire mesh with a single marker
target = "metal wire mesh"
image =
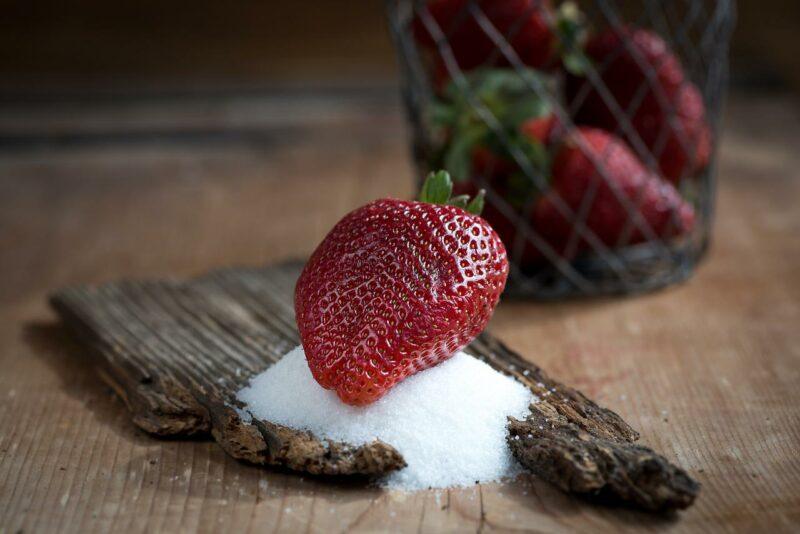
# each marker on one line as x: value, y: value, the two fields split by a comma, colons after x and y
x: 592, y: 126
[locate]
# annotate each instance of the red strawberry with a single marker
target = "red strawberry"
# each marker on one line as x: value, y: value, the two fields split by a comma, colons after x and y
x: 624, y: 57
x: 397, y: 287
x: 489, y: 165
x: 523, y: 23
x: 686, y: 147
x: 575, y: 173
x: 542, y: 129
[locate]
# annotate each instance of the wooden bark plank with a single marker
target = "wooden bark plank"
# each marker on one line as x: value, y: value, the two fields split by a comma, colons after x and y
x: 178, y: 360
x: 177, y: 353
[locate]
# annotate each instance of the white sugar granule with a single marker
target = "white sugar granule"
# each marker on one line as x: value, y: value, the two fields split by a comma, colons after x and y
x: 448, y: 422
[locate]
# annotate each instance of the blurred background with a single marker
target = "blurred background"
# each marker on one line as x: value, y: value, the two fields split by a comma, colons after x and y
x: 50, y: 48
x: 207, y: 107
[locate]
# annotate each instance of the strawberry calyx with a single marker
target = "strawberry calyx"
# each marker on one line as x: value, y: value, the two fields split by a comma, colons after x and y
x: 460, y: 114
x: 438, y: 189
x: 571, y: 32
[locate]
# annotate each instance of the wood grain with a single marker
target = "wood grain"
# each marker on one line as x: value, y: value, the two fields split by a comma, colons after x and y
x: 178, y: 352
x: 708, y: 372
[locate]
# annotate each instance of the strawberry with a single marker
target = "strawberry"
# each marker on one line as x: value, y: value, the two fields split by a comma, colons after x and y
x: 525, y: 24
x: 686, y: 147
x: 397, y: 287
x: 487, y: 163
x: 542, y: 129
x: 607, y: 160
x: 624, y: 57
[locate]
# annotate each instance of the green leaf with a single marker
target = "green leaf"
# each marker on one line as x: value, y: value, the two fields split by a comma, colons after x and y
x: 437, y: 188
x: 576, y: 62
x: 536, y: 153
x: 520, y: 187
x: 571, y: 30
x: 524, y: 109
x: 508, y: 95
x: 459, y: 201
x: 458, y: 156
x: 475, y: 206
x: 442, y: 113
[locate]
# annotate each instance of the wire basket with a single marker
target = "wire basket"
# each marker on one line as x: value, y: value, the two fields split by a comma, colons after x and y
x: 591, y: 126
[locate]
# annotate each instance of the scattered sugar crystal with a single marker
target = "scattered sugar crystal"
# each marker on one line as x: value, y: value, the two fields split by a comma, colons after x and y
x: 448, y: 422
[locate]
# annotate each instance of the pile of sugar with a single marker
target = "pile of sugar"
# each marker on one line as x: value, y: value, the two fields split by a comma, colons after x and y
x: 448, y: 422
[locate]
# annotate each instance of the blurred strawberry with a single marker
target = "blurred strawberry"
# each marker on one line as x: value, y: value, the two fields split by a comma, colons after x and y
x: 686, y: 144
x: 490, y: 165
x: 638, y: 67
x: 495, y: 164
x: 624, y: 57
x: 525, y: 24
x: 543, y: 129
x: 593, y: 161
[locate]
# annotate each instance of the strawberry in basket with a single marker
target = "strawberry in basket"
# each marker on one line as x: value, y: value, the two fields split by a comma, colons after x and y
x: 596, y: 173
x: 581, y: 163
x: 499, y: 33
x: 666, y: 110
x: 525, y: 24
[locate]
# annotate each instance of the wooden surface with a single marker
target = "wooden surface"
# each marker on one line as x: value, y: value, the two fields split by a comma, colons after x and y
x: 708, y: 372
x: 178, y: 352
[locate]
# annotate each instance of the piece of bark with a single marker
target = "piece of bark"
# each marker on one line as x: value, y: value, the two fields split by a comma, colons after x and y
x: 577, y: 461
x: 582, y: 448
x: 177, y: 353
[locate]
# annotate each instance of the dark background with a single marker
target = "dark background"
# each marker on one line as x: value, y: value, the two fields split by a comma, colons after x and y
x: 57, y: 47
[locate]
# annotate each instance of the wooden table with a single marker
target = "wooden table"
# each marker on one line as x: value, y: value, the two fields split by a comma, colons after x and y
x: 709, y: 372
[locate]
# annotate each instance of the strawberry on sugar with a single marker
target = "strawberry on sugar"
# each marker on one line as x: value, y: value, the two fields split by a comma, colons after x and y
x: 397, y: 287
x: 448, y: 422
